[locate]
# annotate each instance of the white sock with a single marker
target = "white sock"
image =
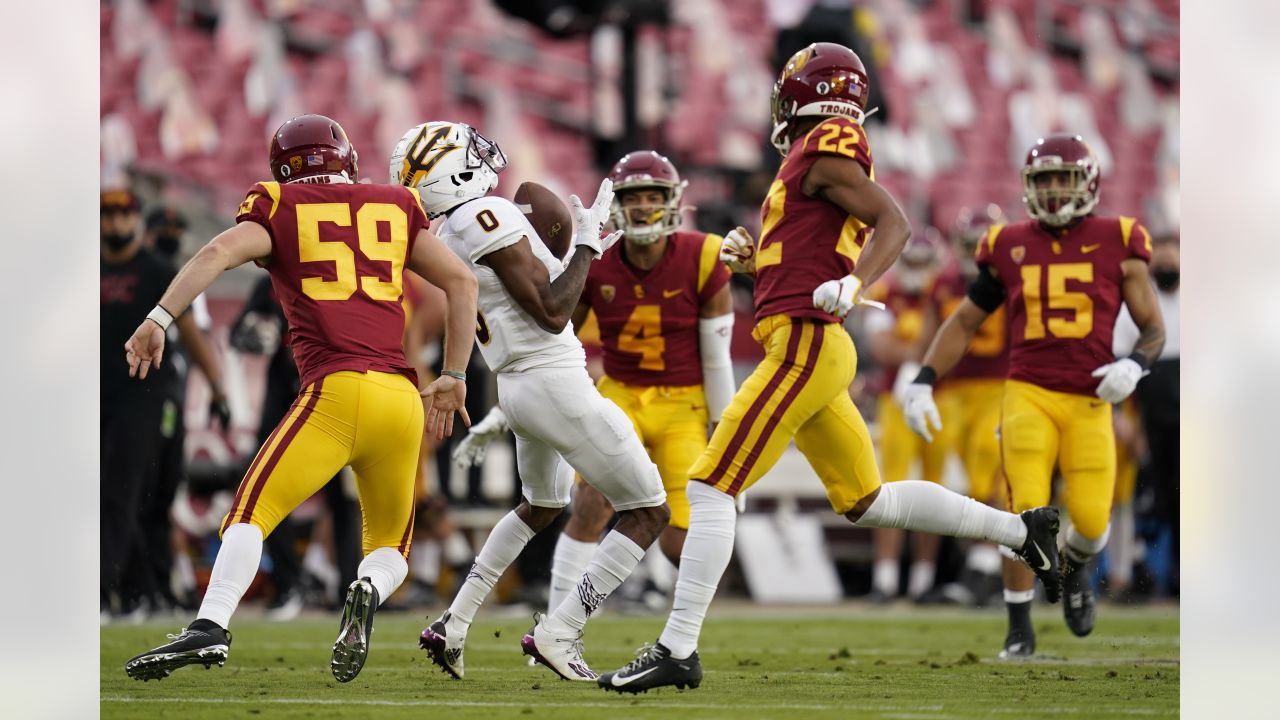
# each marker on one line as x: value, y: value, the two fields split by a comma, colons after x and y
x: 661, y: 571
x: 921, y: 578
x: 386, y: 568
x: 567, y: 565
x: 928, y: 507
x: 1019, y: 596
x: 425, y: 561
x: 707, y: 549
x: 610, y: 564
x: 1081, y: 548
x: 506, y: 541
x: 233, y: 571
x: 316, y: 561
x: 1123, y: 550
x: 884, y: 576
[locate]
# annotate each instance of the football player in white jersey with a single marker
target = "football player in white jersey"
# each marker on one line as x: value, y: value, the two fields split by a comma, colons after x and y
x: 561, y: 423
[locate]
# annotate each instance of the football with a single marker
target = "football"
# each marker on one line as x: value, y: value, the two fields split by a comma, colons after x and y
x: 548, y: 215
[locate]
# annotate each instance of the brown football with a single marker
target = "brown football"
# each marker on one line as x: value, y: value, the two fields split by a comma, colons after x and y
x: 548, y: 215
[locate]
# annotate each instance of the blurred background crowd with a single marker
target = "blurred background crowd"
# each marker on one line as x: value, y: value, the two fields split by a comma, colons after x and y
x: 191, y: 91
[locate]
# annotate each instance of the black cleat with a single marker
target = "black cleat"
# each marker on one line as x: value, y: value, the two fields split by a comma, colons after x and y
x: 352, y: 646
x: 203, y: 642
x: 1040, y: 551
x: 1079, y: 606
x: 653, y: 668
x: 1019, y: 644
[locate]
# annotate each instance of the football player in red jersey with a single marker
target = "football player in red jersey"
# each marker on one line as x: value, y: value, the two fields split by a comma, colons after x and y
x: 818, y: 219
x: 336, y: 252
x: 1062, y: 277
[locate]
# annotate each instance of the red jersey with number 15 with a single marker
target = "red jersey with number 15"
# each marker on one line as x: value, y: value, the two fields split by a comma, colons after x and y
x: 338, y: 253
x: 806, y: 241
x: 649, y: 319
x: 1063, y: 294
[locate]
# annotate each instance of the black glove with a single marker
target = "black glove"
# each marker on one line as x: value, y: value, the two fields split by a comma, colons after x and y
x: 220, y: 412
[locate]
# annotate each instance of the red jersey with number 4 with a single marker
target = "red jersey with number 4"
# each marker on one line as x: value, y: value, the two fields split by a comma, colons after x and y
x: 337, y: 262
x: 649, y: 319
x: 987, y: 356
x: 1064, y: 292
x: 806, y: 241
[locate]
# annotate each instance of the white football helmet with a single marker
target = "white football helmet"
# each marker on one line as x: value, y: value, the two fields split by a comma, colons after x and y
x: 448, y: 163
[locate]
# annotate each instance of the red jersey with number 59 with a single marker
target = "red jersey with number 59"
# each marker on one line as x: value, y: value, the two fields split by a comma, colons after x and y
x: 987, y: 356
x: 1064, y: 290
x: 806, y: 241
x: 649, y: 319
x: 338, y: 253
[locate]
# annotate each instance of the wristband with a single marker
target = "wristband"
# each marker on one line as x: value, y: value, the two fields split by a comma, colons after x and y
x: 1141, y: 359
x: 927, y: 376
x: 161, y: 317
x: 454, y: 374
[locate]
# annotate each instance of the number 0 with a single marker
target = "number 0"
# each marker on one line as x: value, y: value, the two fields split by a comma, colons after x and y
x: 487, y: 220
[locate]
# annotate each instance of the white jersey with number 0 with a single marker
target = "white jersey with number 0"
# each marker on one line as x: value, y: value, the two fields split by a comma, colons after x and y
x: 509, y: 338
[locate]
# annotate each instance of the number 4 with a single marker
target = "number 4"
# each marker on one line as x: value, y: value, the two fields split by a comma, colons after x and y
x: 643, y: 334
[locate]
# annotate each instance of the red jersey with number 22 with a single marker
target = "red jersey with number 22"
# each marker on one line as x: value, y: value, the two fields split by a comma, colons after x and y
x: 649, y: 319
x: 338, y: 253
x: 1063, y: 294
x: 806, y: 241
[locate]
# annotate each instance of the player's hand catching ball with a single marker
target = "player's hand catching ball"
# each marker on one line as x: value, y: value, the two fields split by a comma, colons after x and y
x: 472, y: 449
x: 920, y: 410
x: 738, y: 251
x: 144, y: 349
x: 838, y: 296
x: 588, y: 222
x: 445, y: 396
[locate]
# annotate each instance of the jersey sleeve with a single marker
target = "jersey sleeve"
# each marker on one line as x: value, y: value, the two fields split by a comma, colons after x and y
x: 1136, y: 239
x: 490, y: 224
x: 987, y: 248
x: 841, y: 137
x: 417, y: 219
x: 712, y: 274
x: 260, y: 204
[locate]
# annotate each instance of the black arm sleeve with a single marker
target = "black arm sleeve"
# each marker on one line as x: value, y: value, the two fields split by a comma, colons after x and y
x: 986, y: 292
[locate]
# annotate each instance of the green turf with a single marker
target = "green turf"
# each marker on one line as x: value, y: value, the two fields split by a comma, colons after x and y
x: 856, y: 662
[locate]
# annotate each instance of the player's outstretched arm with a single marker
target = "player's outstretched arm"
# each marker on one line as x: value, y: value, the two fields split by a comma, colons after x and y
x: 1120, y: 378
x: 715, y: 336
x: 843, y: 181
x: 437, y: 264
x: 947, y: 348
x: 231, y: 248
x: 550, y: 304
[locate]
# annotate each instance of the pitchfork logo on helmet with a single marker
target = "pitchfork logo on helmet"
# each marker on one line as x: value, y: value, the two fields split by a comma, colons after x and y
x: 448, y: 163
x: 822, y: 80
x: 646, y: 170
x: 312, y: 148
x: 1060, y: 180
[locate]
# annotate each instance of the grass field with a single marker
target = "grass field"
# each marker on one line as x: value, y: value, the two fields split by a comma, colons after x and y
x: 856, y: 661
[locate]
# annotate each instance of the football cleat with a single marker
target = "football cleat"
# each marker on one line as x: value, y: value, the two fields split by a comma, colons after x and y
x: 203, y: 642
x: 1078, y: 605
x: 562, y: 654
x: 653, y: 668
x: 1019, y: 644
x: 445, y: 646
x: 1040, y: 551
x: 351, y: 648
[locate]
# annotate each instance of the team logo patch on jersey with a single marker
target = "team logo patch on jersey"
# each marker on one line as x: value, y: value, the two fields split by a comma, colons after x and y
x: 608, y: 292
x: 1018, y: 254
x: 247, y: 205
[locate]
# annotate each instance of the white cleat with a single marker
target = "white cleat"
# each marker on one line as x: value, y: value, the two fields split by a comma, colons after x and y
x: 444, y: 640
x: 562, y: 654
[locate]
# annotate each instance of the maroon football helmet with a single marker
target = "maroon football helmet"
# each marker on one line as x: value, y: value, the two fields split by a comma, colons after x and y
x: 646, y: 169
x: 970, y: 228
x: 1070, y: 200
x: 311, y: 146
x: 822, y: 80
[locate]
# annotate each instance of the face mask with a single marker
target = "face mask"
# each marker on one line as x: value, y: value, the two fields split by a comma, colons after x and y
x: 1166, y: 279
x: 117, y: 241
x: 167, y: 244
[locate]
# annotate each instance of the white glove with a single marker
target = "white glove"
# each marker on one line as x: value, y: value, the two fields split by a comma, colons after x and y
x: 588, y: 222
x: 471, y: 450
x: 1118, y: 379
x: 838, y: 296
x: 907, y: 373
x: 920, y: 410
x: 738, y: 251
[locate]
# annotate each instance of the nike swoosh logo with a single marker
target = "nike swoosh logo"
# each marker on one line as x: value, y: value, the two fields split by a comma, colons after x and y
x: 1045, y: 560
x: 618, y: 682
x: 1086, y: 249
x: 672, y: 293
